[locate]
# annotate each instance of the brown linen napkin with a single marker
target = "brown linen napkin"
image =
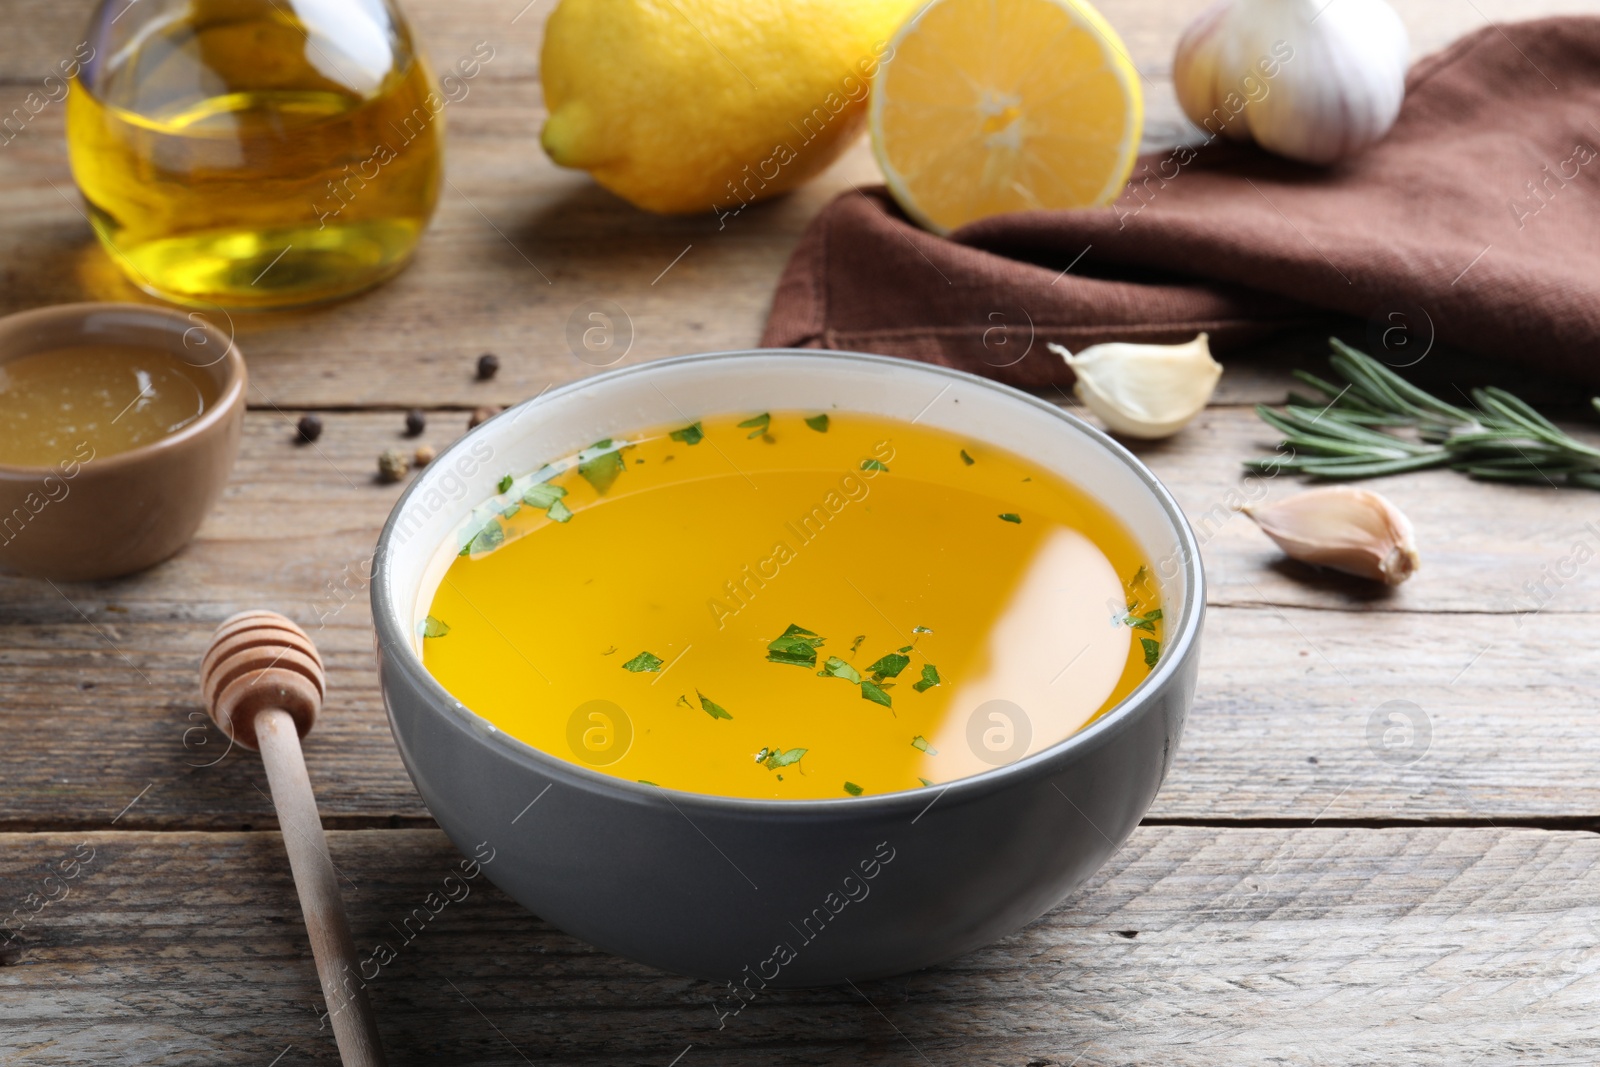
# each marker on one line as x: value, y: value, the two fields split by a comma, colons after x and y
x: 1476, y: 220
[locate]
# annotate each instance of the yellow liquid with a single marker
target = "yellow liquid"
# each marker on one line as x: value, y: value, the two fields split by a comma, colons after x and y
x: 701, y: 555
x: 236, y: 156
x: 95, y: 400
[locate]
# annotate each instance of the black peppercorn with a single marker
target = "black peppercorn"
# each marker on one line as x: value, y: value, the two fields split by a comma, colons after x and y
x: 488, y: 366
x: 416, y: 422
x: 310, y: 428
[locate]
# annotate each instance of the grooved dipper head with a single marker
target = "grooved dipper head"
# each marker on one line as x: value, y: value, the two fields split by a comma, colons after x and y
x: 260, y: 660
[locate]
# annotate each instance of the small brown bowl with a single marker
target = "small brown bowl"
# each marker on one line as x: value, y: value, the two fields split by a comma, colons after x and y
x: 105, y: 516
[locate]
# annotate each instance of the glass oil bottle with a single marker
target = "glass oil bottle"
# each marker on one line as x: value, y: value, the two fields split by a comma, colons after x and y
x: 255, y: 153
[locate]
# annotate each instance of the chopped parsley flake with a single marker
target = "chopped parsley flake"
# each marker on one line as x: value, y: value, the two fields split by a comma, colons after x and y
x: 920, y: 743
x: 489, y: 538
x: 930, y: 678
x: 684, y: 700
x: 853, y: 789
x: 505, y: 483
x: 857, y: 643
x: 717, y: 711
x: 968, y: 460
x: 1143, y: 622
x: 600, y: 463
x: 691, y: 434
x: 873, y: 692
x: 510, y: 510
x: 838, y: 668
x: 1011, y: 516
x: 759, y: 424
x: 889, y: 666
x: 559, y: 512
x: 542, y: 495
x: 1152, y: 651
x: 873, y: 465
x: 432, y: 627
x: 925, y: 782
x: 644, y: 663
x: 921, y: 630
x: 796, y: 645
x: 644, y: 782
x: 818, y: 423
x: 777, y: 757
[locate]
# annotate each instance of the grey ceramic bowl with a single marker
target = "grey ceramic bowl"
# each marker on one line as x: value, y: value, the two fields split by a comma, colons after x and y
x: 775, y: 892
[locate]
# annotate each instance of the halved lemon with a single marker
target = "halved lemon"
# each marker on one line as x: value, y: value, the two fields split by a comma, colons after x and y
x: 988, y: 106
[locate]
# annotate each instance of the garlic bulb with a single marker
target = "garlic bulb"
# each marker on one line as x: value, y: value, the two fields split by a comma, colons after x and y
x: 1351, y: 530
x: 1313, y: 80
x: 1147, y: 391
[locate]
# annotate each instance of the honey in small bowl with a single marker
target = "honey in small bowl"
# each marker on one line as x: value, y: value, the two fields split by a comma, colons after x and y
x: 95, y: 400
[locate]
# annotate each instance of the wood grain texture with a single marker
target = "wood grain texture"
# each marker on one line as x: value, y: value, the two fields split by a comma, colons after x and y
x: 1192, y: 947
x: 1295, y: 664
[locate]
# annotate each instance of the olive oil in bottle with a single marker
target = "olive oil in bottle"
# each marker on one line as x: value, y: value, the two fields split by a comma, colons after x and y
x: 255, y: 153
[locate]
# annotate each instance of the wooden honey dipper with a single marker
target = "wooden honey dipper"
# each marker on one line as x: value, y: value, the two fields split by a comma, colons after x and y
x: 262, y: 681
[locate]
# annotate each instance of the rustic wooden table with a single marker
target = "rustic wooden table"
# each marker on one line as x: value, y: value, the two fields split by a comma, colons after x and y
x: 1297, y: 895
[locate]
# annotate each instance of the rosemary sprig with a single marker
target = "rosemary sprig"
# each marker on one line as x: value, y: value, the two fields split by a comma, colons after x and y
x: 1342, y: 435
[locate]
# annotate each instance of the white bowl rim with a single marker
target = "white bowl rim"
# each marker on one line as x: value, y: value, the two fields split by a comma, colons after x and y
x: 393, y: 639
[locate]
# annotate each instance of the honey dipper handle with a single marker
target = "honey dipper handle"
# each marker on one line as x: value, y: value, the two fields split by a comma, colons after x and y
x: 354, y: 1027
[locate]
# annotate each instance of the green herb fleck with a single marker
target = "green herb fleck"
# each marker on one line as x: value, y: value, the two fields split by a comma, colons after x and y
x: 684, y: 700
x: 691, y: 434
x: 1152, y: 651
x: 542, y: 495
x: 838, y: 668
x: 711, y: 708
x: 857, y: 643
x: 925, y: 782
x: 489, y: 538
x: 644, y: 781
x: 968, y: 460
x: 644, y: 663
x: 873, y: 692
x: 760, y: 424
x: 873, y: 465
x: 505, y: 483
x: 930, y: 678
x: 1143, y: 622
x: 559, y: 512
x: 432, y: 627
x: 510, y: 510
x: 779, y: 758
x: 818, y: 423
x: 600, y: 464
x: 921, y: 630
x: 853, y: 789
x: 889, y: 666
x: 1011, y: 516
x: 920, y: 743
x: 796, y: 645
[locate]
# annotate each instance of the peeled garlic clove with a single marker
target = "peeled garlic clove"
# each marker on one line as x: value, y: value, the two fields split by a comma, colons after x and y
x: 1352, y: 530
x: 1308, y: 79
x: 1146, y: 391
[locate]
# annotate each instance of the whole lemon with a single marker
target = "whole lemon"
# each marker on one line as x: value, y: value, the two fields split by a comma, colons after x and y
x: 695, y: 105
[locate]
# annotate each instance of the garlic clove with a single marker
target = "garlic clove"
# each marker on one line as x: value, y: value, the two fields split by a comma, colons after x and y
x: 1145, y: 391
x: 1352, y: 530
x: 1307, y: 79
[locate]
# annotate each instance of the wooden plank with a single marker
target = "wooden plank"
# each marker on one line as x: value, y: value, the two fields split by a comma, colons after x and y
x: 101, y: 678
x: 1192, y: 947
x: 520, y: 247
